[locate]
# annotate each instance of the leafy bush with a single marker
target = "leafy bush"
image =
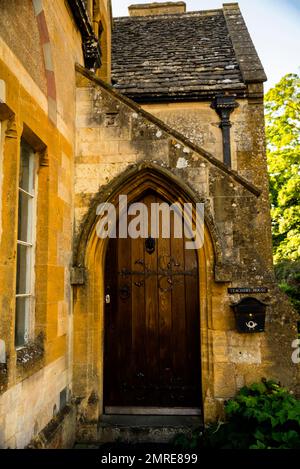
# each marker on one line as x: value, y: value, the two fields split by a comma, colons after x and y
x: 288, y: 276
x: 282, y: 113
x: 261, y: 416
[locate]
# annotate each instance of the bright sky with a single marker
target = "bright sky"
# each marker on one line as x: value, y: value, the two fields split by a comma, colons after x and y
x: 273, y: 24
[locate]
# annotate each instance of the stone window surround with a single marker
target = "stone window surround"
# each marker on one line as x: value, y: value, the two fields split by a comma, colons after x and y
x: 2, y: 136
x: 29, y: 245
x: 33, y: 350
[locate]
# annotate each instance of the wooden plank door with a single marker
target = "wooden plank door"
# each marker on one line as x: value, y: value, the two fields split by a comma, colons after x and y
x: 152, y: 332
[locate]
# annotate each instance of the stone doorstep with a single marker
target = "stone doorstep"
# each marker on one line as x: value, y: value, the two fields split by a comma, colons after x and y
x: 134, y: 429
x: 137, y: 450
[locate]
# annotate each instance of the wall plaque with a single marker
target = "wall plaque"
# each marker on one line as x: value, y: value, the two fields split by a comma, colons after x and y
x: 248, y: 290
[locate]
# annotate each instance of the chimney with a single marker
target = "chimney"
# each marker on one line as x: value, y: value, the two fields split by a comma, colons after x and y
x: 154, y: 9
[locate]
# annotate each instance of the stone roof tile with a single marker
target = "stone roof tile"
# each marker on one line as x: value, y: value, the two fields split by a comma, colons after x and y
x: 182, y: 56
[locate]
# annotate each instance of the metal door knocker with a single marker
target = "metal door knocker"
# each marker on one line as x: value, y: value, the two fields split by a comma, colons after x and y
x: 124, y: 292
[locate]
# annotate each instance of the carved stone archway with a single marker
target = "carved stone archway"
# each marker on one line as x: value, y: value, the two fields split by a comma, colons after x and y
x: 155, y: 176
x: 89, y: 257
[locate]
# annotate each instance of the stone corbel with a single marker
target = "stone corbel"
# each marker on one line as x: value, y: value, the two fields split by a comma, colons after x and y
x: 44, y: 157
x: 224, y: 106
x: 5, y: 111
x: 78, y: 276
x: 223, y: 273
x: 11, y: 130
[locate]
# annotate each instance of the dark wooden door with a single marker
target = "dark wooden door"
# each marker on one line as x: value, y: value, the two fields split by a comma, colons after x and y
x: 152, y: 333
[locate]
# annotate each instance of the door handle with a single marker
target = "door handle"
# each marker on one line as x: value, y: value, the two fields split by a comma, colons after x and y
x: 107, y: 299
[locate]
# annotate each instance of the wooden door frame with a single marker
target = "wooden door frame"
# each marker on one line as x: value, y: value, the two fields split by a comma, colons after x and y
x: 175, y: 314
x: 90, y: 253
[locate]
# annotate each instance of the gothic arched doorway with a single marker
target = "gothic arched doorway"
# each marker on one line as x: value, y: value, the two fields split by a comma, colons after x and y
x: 90, y: 255
x: 151, y: 323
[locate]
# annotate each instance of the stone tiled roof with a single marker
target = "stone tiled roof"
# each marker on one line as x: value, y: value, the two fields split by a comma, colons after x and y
x: 183, y: 56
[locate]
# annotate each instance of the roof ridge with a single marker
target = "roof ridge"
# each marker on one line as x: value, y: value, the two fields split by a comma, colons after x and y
x: 172, y: 132
x: 172, y: 15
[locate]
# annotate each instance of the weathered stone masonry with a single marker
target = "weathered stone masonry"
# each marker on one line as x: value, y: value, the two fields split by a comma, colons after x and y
x: 141, y: 143
x: 142, y: 121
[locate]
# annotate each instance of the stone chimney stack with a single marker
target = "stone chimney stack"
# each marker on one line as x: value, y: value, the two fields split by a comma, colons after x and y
x: 150, y: 9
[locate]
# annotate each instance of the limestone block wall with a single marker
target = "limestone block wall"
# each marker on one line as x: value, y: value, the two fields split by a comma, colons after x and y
x: 197, y: 121
x: 2, y: 133
x: 22, y: 37
x: 103, y: 14
x: 51, y: 337
x: 44, y: 40
x: 25, y: 409
x: 115, y: 136
x: 111, y: 136
x: 157, y: 9
x: 45, y: 117
x: 66, y: 50
x: 200, y: 124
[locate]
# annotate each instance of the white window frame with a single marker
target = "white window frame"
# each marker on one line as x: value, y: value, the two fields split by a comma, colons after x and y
x: 29, y: 320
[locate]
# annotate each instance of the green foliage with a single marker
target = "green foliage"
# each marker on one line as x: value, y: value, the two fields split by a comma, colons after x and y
x: 261, y: 416
x: 288, y: 276
x: 190, y: 441
x: 282, y: 109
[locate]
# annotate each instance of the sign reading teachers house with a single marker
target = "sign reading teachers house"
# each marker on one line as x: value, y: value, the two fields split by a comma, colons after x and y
x: 248, y: 290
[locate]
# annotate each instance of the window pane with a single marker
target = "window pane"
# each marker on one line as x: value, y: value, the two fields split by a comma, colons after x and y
x: 22, y: 309
x: 26, y: 179
x: 24, y: 217
x: 23, y: 269
x: 24, y: 253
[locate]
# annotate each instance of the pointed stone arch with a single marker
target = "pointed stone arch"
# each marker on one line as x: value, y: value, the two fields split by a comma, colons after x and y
x: 88, y: 294
x: 131, y: 183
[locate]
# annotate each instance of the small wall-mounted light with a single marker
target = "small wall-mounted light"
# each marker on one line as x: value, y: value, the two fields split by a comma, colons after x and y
x: 250, y: 315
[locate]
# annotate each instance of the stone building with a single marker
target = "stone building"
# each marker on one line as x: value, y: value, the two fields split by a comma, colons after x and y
x: 163, y: 105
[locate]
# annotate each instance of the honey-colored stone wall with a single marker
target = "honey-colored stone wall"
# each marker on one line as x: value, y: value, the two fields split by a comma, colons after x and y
x: 157, y: 8
x: 200, y: 124
x: 197, y: 121
x: 92, y: 144
x: 117, y: 140
x: 19, y: 29
x: 52, y: 257
x: 103, y: 14
x: 45, y: 117
x: 66, y: 50
x: 25, y: 409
